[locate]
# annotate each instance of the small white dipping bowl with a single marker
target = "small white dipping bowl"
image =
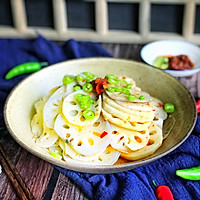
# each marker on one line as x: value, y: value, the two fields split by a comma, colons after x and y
x: 172, y: 47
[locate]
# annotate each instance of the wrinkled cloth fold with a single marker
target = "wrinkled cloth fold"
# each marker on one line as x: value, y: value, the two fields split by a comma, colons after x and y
x: 134, y: 184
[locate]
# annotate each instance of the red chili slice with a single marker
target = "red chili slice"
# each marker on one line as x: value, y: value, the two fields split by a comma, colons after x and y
x: 121, y: 138
x: 103, y: 134
x: 160, y: 105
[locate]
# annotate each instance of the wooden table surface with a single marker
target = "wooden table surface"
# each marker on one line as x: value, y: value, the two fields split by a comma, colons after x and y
x: 44, y: 181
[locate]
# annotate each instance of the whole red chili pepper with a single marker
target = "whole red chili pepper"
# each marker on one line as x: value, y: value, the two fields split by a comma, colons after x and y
x: 163, y: 192
x: 198, y: 106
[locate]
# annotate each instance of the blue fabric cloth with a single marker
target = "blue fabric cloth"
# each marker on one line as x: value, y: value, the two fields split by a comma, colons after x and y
x: 135, y: 184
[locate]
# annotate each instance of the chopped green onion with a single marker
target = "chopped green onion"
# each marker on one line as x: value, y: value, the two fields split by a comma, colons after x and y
x: 82, y: 97
x: 84, y: 105
x: 79, y: 78
x: 119, y: 89
x: 111, y: 76
x: 67, y: 79
x: 76, y: 88
x: 123, y: 81
x: 89, y: 75
x: 127, y: 92
x: 87, y: 79
x: 131, y: 97
x: 113, y: 81
x: 129, y: 86
x: 79, y: 97
x: 141, y: 97
x: 111, y: 89
x: 169, y: 108
x: 87, y: 87
x: 88, y: 114
x: 56, y: 155
x: 92, y: 101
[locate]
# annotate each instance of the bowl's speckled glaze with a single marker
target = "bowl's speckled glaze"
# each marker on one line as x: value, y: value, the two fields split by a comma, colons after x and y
x: 19, y: 105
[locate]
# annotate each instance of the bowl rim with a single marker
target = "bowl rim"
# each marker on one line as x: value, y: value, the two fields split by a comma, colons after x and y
x: 94, y: 169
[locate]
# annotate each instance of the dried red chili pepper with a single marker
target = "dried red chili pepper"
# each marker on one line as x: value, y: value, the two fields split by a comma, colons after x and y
x: 163, y: 192
x: 198, y: 106
x: 103, y: 134
x: 98, y: 84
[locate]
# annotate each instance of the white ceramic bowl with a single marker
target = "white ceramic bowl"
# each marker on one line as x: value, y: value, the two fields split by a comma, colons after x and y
x: 172, y: 47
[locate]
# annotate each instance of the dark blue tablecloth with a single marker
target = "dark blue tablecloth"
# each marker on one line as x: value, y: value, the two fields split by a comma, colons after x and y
x: 135, y: 184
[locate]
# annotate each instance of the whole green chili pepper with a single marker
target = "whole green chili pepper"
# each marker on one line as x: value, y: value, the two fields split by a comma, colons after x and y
x: 25, y: 68
x: 190, y: 174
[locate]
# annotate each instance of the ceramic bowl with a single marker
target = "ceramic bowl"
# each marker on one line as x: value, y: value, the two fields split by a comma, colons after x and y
x: 172, y: 47
x: 19, y: 105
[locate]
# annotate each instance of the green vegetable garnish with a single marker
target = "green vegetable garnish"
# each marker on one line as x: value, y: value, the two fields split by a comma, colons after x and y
x: 119, y: 89
x: 88, y: 114
x: 89, y: 75
x: 131, y: 97
x: 129, y: 86
x: 56, y: 155
x: 92, y: 101
x: 111, y: 76
x: 127, y: 92
x: 84, y: 105
x: 87, y: 79
x: 76, y: 88
x: 123, y: 81
x: 87, y: 87
x: 79, y: 77
x: 141, y: 97
x: 169, y: 107
x: 113, y: 81
x: 111, y: 89
x: 67, y: 80
x: 161, y: 62
x: 82, y: 97
x: 79, y: 97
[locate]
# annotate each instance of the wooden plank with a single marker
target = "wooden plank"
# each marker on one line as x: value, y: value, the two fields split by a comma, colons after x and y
x: 60, y: 18
x: 101, y: 12
x: 67, y: 189
x: 19, y: 15
x: 189, y: 19
x: 144, y: 19
x: 34, y: 171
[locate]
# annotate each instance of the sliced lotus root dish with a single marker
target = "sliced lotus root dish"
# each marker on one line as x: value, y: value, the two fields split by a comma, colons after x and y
x: 121, y: 86
x: 90, y: 140
x: 97, y: 121
x: 125, y: 140
x: 75, y: 114
x: 126, y: 116
x: 37, y: 120
x: 144, y: 110
x: 154, y: 143
x: 136, y: 126
x: 53, y: 105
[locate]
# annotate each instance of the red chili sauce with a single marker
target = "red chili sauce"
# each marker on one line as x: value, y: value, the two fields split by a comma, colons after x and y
x: 180, y: 62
